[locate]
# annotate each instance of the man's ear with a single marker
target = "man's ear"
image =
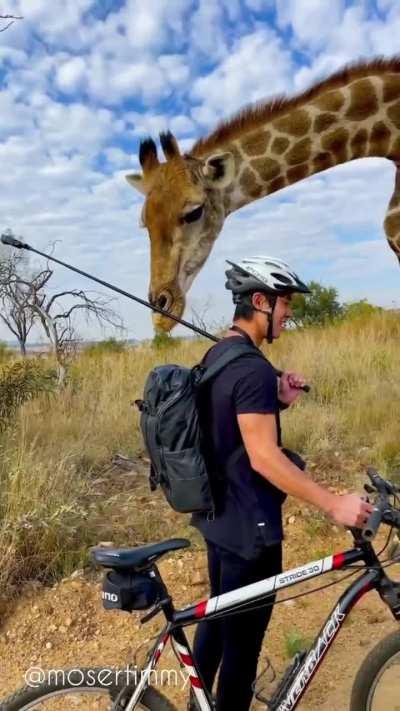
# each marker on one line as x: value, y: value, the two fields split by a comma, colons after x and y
x: 259, y: 301
x: 219, y: 169
x: 137, y: 182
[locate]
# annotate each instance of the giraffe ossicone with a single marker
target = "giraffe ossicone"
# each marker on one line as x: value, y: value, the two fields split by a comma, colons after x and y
x: 353, y: 114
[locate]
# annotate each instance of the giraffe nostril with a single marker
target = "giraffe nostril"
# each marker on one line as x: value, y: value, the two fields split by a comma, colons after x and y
x: 162, y: 301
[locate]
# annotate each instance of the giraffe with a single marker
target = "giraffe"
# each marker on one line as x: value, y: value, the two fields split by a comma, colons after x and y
x: 354, y: 113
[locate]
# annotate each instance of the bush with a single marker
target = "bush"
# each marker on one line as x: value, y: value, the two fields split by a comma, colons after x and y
x: 20, y: 381
x: 318, y: 308
x: 110, y: 345
x: 360, y: 310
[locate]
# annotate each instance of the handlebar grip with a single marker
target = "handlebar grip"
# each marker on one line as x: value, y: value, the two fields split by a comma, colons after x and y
x: 372, y: 525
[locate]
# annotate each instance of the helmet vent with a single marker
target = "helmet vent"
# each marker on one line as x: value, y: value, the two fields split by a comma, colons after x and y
x: 281, y: 277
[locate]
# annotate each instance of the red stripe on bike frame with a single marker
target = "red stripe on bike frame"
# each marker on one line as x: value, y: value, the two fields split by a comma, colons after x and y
x: 364, y: 589
x: 195, y: 681
x: 160, y: 648
x: 338, y: 561
x: 186, y: 658
x: 200, y: 609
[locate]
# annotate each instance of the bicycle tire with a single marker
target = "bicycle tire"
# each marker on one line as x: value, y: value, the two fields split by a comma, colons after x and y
x: 370, y: 671
x: 77, y: 679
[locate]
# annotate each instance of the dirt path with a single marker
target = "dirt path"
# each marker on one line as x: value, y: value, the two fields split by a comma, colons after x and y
x: 65, y: 626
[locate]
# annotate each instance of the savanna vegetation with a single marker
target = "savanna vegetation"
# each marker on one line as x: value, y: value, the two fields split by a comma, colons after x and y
x: 59, y: 493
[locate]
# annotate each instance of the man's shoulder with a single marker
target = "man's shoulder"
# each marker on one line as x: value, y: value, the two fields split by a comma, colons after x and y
x: 253, y: 361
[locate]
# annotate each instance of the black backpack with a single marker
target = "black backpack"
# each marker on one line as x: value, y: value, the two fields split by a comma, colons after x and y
x: 171, y: 428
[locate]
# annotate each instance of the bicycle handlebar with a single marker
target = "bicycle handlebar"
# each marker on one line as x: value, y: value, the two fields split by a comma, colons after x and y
x: 383, y: 511
x: 374, y: 521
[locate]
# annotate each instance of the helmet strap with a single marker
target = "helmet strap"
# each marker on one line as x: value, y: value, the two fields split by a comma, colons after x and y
x: 270, y: 314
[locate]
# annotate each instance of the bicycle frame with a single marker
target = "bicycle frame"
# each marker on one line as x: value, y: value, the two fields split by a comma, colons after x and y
x: 299, y: 676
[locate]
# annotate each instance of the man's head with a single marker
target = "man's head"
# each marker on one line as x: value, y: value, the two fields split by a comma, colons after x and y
x: 262, y: 289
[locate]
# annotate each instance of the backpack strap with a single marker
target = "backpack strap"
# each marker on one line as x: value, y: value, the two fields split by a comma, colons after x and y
x: 236, y: 351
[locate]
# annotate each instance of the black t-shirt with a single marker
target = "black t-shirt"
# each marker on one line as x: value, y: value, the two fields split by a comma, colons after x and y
x: 249, y: 513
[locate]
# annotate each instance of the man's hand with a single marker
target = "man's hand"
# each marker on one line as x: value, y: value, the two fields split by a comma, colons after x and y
x: 289, y: 388
x: 350, y: 510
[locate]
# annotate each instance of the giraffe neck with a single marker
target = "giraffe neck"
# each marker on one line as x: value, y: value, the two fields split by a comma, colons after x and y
x: 359, y: 119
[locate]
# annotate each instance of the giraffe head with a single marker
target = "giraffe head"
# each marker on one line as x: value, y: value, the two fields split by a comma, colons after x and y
x: 183, y: 213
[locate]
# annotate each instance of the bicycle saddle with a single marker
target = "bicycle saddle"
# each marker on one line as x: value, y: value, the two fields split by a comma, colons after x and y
x: 140, y: 557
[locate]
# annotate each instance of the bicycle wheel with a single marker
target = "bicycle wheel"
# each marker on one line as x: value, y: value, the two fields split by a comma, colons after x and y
x: 377, y: 684
x: 86, y: 689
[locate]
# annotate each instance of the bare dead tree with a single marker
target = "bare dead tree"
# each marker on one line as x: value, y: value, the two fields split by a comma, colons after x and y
x: 26, y: 300
x: 201, y: 318
x: 10, y: 19
x: 57, y: 320
x: 16, y: 289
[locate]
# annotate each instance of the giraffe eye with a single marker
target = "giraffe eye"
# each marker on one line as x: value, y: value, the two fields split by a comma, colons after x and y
x: 194, y: 215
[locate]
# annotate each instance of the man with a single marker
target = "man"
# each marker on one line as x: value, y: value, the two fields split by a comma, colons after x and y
x: 242, y: 428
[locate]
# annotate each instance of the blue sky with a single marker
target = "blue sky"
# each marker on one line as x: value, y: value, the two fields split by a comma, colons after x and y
x: 83, y: 80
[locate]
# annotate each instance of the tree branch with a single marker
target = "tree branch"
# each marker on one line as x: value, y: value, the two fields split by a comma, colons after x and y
x: 12, y: 19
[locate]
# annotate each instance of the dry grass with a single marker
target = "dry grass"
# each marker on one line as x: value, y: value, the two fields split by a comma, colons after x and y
x: 51, y: 507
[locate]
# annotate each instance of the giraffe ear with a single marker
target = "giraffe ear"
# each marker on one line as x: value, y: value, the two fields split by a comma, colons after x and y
x: 137, y: 182
x: 219, y: 169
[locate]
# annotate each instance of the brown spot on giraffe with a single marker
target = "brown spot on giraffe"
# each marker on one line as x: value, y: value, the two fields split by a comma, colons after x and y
x: 379, y: 139
x: 277, y: 184
x: 394, y: 113
x: 300, y: 152
x: 336, y: 143
x: 330, y: 101
x: 267, y: 168
x: 249, y: 184
x: 298, y: 173
x: 297, y: 123
x: 323, y: 121
x: 391, y: 88
x: 322, y: 161
x: 256, y: 143
x: 395, y: 150
x: 358, y: 143
x: 279, y: 145
x: 364, y: 102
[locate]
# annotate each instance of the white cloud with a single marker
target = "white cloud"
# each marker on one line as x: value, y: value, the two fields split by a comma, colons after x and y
x: 312, y: 21
x: 258, y: 65
x: 70, y: 75
x: 55, y: 18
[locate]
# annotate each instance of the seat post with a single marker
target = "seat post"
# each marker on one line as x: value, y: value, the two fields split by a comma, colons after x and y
x: 166, y: 603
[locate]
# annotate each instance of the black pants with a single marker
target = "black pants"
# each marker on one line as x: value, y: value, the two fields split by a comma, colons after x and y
x: 234, y: 643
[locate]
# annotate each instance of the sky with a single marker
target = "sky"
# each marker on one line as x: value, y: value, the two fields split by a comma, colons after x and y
x: 82, y: 81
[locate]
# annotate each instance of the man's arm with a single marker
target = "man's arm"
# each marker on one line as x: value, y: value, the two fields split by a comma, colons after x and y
x: 260, y: 440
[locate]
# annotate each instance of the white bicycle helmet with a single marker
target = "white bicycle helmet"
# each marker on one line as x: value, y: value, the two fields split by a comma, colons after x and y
x: 267, y: 274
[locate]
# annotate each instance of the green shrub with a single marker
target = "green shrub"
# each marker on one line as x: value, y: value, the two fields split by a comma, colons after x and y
x: 110, y: 345
x: 20, y: 381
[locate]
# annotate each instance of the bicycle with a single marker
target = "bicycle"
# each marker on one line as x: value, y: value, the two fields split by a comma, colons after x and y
x: 133, y: 582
